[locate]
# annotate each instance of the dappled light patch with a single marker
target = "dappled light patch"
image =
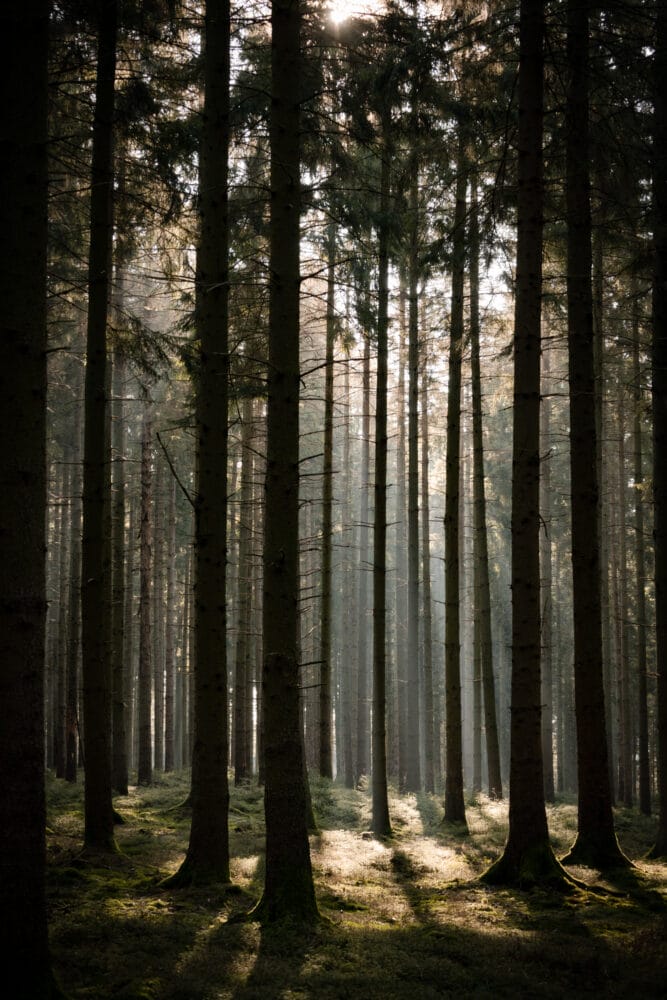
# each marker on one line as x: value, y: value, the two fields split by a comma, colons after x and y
x: 405, y: 917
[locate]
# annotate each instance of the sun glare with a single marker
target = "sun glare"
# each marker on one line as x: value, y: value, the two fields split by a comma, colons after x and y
x: 341, y: 10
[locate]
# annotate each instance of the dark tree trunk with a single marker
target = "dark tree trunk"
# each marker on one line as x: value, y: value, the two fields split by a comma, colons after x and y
x: 546, y: 583
x: 325, y: 754
x: 119, y: 671
x: 244, y: 597
x: 454, y: 804
x: 170, y: 629
x: 288, y: 887
x: 596, y: 843
x: 640, y: 574
x: 380, y: 819
x: 145, y: 687
x: 660, y: 409
x: 431, y: 742
x: 23, y: 223
x: 363, y: 704
x: 95, y: 568
x: 207, y: 857
x: 528, y: 858
x: 414, y: 777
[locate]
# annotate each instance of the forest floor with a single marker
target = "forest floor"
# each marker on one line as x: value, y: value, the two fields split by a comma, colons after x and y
x: 406, y: 917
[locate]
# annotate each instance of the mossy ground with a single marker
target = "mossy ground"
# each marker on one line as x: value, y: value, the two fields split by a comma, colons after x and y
x: 406, y: 916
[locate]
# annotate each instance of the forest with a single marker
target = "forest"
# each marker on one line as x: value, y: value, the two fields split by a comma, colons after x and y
x: 333, y: 501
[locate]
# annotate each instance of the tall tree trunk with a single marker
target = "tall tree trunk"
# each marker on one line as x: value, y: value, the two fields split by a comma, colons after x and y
x: 414, y: 777
x: 601, y: 465
x: 528, y: 857
x: 400, y: 569
x: 325, y: 754
x: 145, y: 691
x: 431, y: 742
x: 363, y: 705
x: 244, y: 619
x: 454, y: 804
x: 640, y: 573
x: 596, y: 842
x: 207, y: 857
x: 546, y: 582
x: 158, y: 613
x: 482, y: 585
x: 119, y: 675
x: 23, y: 376
x: 659, y: 358
x: 348, y: 602
x: 170, y: 629
x: 95, y: 570
x: 626, y: 736
x: 380, y: 818
x: 288, y: 885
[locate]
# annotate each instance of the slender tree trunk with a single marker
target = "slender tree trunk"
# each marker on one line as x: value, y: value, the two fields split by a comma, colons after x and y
x: 380, y: 819
x: 546, y: 587
x: 626, y: 753
x: 454, y: 804
x: 158, y: 614
x: 129, y: 648
x: 403, y: 676
x: 348, y: 603
x: 640, y: 574
x: 95, y: 573
x: 363, y: 705
x: 170, y: 629
x: 596, y: 841
x: 244, y: 588
x: 414, y: 777
x: 144, y: 710
x: 207, y: 857
x: 659, y: 359
x: 482, y: 585
x: 23, y: 477
x: 431, y: 743
x: 325, y: 754
x: 288, y: 886
x: 528, y: 858
x: 119, y: 678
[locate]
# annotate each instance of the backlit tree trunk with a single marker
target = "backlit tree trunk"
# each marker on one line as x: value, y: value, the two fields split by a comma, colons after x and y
x: 528, y: 857
x: 207, y: 857
x: 95, y: 569
x: 454, y: 804
x: 288, y: 885
x: 596, y: 843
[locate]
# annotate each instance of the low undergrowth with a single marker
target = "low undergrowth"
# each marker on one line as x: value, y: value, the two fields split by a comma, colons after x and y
x: 406, y: 917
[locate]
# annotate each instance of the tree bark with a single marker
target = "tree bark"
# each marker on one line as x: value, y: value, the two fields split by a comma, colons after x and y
x: 23, y: 223
x: 380, y: 818
x: 454, y: 803
x: 95, y: 569
x: 596, y: 842
x: 288, y: 886
x: 145, y: 688
x: 528, y: 858
x: 659, y: 359
x: 325, y: 741
x: 207, y: 857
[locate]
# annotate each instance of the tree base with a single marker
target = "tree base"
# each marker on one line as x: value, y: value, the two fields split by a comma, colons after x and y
x: 592, y: 853
x: 192, y: 875
x: 294, y: 903
x: 531, y: 868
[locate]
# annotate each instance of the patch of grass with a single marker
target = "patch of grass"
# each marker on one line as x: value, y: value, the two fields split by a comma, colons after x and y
x: 407, y: 919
